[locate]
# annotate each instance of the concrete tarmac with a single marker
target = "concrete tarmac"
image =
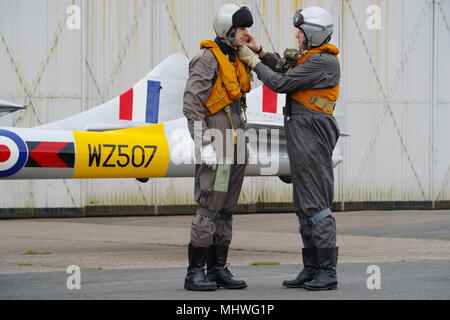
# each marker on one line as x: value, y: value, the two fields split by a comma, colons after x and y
x: 146, y: 257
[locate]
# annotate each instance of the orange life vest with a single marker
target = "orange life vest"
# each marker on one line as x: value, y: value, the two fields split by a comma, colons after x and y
x: 232, y: 83
x: 323, y: 100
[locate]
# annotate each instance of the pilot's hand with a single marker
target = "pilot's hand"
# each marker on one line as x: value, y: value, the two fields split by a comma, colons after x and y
x: 252, y: 43
x: 209, y: 156
x: 248, y: 57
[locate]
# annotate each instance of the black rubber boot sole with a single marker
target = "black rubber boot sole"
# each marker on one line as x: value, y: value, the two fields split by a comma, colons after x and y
x: 296, y: 286
x: 293, y: 286
x: 233, y: 287
x: 330, y: 287
x: 191, y: 287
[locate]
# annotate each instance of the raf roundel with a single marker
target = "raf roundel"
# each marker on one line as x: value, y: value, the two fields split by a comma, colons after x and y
x: 13, y: 153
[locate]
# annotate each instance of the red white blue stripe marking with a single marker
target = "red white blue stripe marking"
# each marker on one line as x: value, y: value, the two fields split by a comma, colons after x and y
x: 141, y: 103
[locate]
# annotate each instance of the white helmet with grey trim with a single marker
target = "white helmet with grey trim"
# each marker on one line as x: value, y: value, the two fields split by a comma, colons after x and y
x: 229, y: 17
x: 317, y: 25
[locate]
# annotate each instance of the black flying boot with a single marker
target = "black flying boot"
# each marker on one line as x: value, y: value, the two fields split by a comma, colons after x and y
x: 309, y: 269
x: 217, y: 270
x: 196, y: 279
x: 326, y: 278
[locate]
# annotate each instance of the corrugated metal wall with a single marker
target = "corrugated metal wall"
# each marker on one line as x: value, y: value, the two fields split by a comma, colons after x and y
x: 395, y: 100
x: 395, y: 104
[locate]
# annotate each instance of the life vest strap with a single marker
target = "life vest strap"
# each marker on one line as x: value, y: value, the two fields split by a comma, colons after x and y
x: 228, y: 113
x: 322, y: 103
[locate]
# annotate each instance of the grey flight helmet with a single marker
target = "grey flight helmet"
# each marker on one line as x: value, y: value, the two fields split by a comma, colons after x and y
x: 317, y: 25
x: 229, y: 18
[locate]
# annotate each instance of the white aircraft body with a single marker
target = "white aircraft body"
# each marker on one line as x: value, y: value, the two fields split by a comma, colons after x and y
x: 139, y: 134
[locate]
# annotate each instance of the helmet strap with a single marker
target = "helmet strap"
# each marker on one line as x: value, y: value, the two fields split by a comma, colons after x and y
x: 231, y: 35
x: 306, y: 42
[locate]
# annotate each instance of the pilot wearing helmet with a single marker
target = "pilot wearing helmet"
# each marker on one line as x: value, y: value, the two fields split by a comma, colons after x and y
x: 214, y: 105
x: 310, y: 78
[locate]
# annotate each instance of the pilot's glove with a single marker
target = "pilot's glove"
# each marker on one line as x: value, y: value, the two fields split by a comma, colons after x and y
x: 209, y: 156
x: 248, y: 57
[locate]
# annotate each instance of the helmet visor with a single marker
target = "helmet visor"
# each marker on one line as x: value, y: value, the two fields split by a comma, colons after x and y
x: 298, y: 19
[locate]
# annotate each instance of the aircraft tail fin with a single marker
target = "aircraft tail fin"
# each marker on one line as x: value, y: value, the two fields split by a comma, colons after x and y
x: 156, y: 98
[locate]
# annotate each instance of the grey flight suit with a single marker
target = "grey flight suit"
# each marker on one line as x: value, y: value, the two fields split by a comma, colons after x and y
x: 213, y: 225
x: 311, y: 137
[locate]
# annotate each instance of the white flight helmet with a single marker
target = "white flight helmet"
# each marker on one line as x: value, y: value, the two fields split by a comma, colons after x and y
x: 317, y: 25
x: 230, y: 17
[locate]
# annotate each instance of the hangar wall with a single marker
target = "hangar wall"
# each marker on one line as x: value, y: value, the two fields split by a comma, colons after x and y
x: 395, y: 97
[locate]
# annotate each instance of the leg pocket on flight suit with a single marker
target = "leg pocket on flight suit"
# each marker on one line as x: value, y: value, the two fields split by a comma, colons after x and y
x: 320, y: 153
x: 302, y: 175
x: 325, y: 139
x: 202, y: 231
x: 224, y: 232
x: 206, y: 178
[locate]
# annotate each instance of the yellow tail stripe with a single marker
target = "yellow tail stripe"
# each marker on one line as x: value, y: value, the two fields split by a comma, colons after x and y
x: 128, y: 153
